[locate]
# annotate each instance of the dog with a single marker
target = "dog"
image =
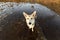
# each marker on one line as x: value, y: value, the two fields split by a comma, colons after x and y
x: 30, y: 19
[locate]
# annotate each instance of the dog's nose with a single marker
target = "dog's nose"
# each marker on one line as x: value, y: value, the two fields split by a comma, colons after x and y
x: 29, y: 23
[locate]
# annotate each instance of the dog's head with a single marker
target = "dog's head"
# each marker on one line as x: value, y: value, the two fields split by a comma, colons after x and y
x: 30, y: 19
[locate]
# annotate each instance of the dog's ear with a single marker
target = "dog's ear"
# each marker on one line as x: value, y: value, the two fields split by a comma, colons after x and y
x: 34, y: 14
x: 25, y: 14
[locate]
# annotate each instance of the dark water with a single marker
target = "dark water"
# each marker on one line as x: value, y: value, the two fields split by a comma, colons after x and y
x: 14, y: 27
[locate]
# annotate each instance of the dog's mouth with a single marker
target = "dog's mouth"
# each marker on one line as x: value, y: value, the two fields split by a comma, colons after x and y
x: 31, y: 25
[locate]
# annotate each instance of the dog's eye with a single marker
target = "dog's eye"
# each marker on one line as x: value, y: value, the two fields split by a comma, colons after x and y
x: 31, y: 18
x: 27, y: 18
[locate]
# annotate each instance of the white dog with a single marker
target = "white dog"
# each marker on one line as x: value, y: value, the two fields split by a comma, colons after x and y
x: 30, y: 19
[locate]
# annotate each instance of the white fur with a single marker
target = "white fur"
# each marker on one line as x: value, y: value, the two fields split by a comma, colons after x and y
x: 30, y: 19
